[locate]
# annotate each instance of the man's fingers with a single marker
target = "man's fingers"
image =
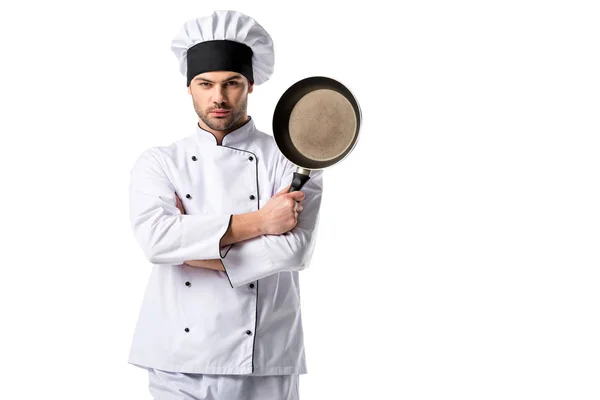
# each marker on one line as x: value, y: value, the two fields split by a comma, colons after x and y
x: 284, y: 190
x: 215, y: 265
x: 297, y: 195
x: 179, y: 205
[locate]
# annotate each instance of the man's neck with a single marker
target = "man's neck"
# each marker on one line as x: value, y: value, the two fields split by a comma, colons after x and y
x: 219, y: 135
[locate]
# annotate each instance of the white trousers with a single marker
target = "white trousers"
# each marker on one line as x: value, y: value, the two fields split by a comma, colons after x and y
x: 179, y: 386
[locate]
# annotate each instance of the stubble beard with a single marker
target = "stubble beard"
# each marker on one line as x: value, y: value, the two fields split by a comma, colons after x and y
x: 225, y: 123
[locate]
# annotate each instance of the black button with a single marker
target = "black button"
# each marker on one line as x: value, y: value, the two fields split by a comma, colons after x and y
x: 252, y: 286
x: 251, y: 197
x: 188, y: 196
x: 194, y: 158
x: 187, y: 284
x: 250, y: 158
x: 248, y: 332
x: 187, y: 329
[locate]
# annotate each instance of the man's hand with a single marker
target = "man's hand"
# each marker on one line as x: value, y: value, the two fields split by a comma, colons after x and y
x: 280, y: 214
x: 179, y: 204
x: 209, y: 264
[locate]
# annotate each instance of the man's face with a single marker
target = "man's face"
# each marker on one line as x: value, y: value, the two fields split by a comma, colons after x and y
x: 220, y: 98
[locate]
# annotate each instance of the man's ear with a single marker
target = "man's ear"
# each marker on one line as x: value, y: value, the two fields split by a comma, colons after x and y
x: 250, y: 87
x: 189, y: 90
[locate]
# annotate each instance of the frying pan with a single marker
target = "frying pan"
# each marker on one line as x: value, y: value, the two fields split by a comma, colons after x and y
x: 315, y: 125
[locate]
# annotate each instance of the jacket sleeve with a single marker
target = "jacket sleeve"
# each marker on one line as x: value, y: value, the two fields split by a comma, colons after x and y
x: 165, y: 235
x: 264, y: 255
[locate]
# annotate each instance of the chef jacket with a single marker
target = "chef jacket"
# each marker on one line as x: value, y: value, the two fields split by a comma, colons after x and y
x: 247, y: 319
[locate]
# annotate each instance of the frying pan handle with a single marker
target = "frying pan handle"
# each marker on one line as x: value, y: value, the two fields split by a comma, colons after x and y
x: 301, y: 176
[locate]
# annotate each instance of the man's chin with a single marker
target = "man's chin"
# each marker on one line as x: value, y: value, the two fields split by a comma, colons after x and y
x: 218, y: 124
x: 221, y: 127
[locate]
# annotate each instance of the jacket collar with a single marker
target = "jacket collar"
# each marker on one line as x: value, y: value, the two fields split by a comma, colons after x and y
x: 232, y: 139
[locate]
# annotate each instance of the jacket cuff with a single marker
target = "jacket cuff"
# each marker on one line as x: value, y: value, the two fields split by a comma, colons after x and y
x: 201, y: 236
x: 246, y: 262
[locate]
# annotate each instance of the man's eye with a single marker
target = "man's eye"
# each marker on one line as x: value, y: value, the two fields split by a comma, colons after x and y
x: 232, y: 83
x: 204, y: 84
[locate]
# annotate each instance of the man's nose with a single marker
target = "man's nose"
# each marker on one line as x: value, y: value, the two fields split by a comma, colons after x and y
x: 218, y: 95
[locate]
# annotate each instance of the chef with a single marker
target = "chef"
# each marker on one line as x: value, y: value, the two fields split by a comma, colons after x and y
x: 220, y: 317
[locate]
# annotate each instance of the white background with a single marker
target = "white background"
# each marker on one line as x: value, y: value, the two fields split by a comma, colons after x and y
x: 457, y: 256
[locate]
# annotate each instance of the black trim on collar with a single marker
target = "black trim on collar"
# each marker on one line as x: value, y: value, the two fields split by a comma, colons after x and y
x: 240, y: 134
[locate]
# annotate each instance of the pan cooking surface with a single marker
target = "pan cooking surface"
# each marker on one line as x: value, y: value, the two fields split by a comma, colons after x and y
x: 322, y: 124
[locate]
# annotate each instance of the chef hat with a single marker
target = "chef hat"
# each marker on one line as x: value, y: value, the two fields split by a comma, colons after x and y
x: 224, y: 41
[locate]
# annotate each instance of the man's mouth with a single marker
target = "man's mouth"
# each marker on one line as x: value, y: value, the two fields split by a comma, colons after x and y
x: 220, y: 112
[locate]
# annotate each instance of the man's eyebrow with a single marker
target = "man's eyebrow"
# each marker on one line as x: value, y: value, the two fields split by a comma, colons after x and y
x: 231, y: 78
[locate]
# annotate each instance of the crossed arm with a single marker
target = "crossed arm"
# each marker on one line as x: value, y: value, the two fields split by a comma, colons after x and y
x: 243, y: 227
x: 259, y: 243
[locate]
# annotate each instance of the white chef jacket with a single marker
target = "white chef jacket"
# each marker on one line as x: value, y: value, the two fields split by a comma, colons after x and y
x: 246, y: 320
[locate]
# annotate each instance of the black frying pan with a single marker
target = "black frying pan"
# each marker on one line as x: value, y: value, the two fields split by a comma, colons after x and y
x: 315, y: 125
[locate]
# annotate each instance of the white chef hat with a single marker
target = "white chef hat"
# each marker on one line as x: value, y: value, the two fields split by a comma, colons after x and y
x: 224, y: 41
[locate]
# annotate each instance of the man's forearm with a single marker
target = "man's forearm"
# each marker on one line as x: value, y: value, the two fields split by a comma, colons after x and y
x: 243, y: 227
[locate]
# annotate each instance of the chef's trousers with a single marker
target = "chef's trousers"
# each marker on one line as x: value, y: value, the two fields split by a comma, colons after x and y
x: 165, y: 385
